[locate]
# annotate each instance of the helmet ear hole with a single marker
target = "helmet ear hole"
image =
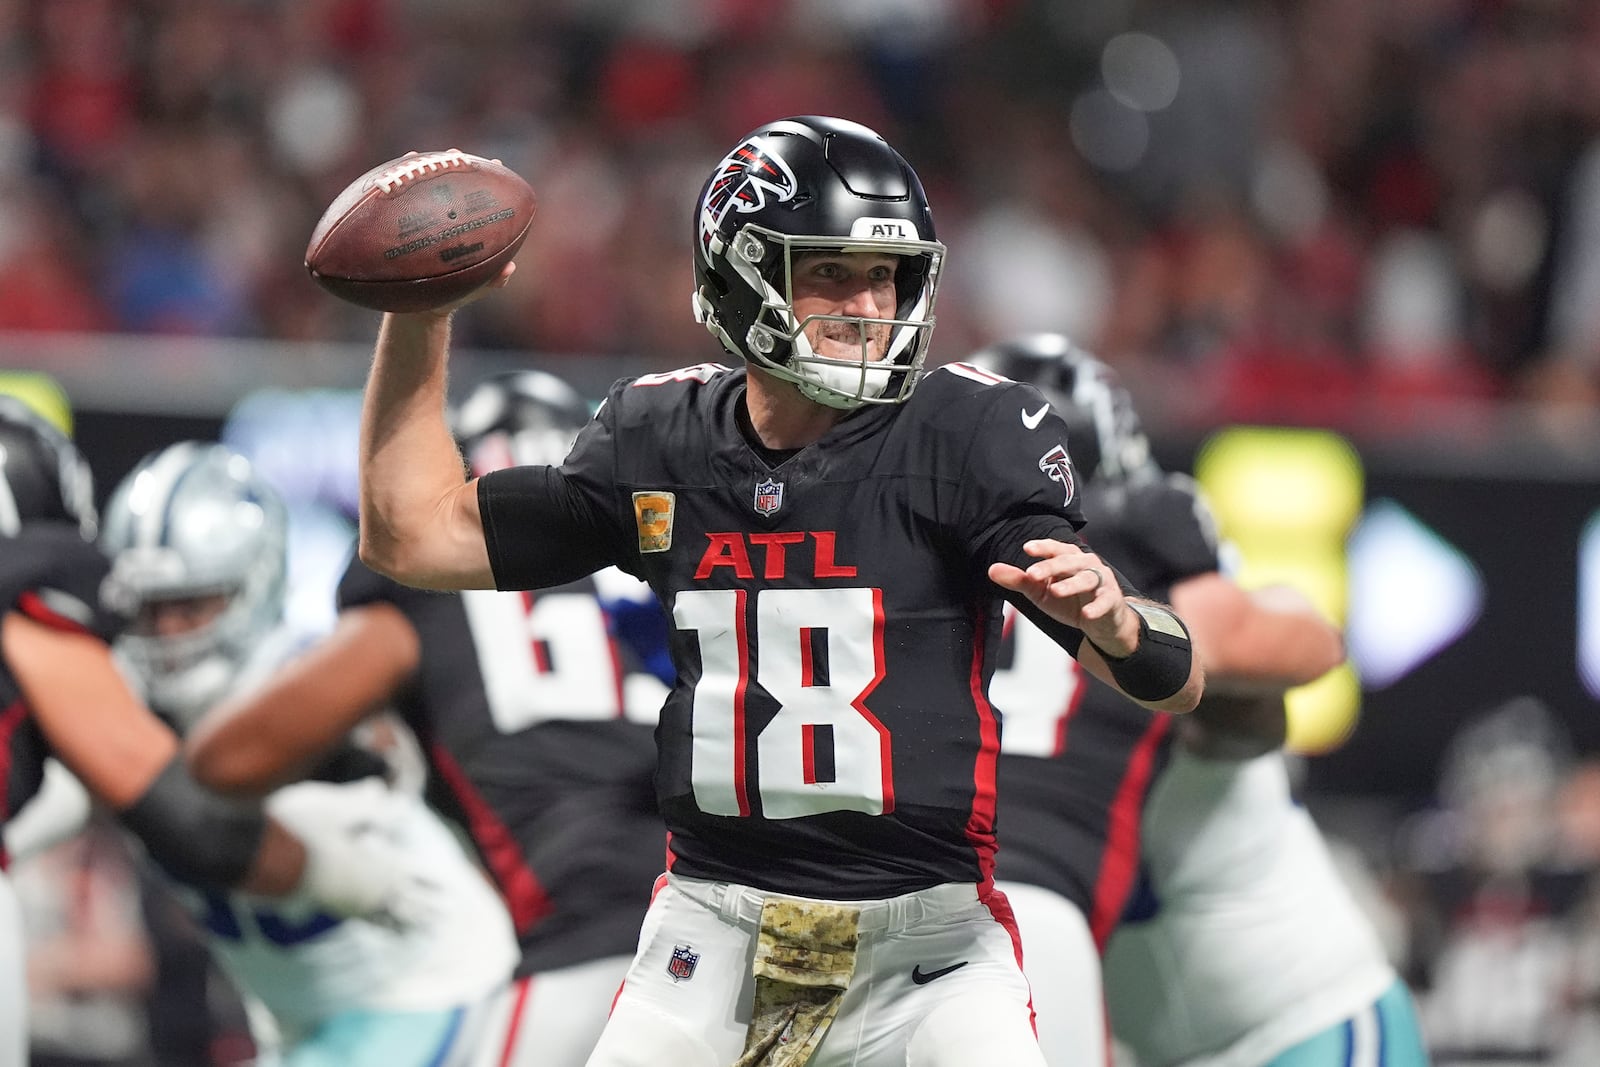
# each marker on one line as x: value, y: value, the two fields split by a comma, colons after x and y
x: 715, y: 281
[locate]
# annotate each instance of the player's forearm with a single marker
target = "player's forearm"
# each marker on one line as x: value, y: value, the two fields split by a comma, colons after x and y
x: 409, y: 462
x: 232, y: 759
x: 1276, y: 653
x: 1256, y: 642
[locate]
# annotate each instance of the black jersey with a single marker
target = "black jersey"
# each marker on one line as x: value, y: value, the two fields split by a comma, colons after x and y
x: 49, y: 573
x: 828, y: 734
x: 1079, y: 757
x: 539, y: 738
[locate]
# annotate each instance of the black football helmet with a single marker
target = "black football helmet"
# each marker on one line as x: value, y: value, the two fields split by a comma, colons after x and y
x: 43, y: 477
x: 518, y: 418
x: 814, y: 184
x: 1104, y: 435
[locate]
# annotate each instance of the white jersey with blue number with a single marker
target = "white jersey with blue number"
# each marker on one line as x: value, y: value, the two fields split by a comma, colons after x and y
x: 305, y: 966
x: 1244, y: 940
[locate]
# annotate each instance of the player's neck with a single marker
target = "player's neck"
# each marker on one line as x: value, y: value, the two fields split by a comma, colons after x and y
x: 781, y: 417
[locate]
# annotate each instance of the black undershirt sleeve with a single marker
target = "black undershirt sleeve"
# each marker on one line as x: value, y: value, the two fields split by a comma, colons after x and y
x: 540, y: 529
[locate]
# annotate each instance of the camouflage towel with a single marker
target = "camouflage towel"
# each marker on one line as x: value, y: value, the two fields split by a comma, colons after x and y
x: 805, y: 956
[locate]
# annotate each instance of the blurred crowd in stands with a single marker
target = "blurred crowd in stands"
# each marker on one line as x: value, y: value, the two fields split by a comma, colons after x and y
x: 1332, y: 212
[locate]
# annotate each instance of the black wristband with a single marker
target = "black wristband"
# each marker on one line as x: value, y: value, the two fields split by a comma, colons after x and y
x: 1160, y: 666
x: 197, y: 836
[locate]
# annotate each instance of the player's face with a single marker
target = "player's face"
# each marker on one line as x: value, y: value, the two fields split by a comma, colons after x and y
x: 178, y: 615
x: 854, y: 284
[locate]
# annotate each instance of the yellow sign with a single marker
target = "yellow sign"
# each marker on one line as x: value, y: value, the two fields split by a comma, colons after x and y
x: 1287, y: 499
x: 652, y: 512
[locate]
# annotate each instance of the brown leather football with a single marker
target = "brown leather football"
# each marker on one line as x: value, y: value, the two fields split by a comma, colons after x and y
x: 420, y: 231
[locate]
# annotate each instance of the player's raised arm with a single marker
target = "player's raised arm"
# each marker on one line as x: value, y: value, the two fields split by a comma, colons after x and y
x: 419, y: 514
x: 419, y: 522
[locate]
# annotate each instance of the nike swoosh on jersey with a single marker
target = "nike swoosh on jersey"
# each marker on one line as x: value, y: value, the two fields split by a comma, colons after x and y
x: 1032, y: 421
x: 921, y: 977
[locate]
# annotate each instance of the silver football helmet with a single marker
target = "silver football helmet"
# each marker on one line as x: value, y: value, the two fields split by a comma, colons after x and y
x: 194, y: 523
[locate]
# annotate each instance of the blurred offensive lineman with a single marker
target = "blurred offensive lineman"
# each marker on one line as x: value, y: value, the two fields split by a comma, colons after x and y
x: 831, y: 542
x: 1241, y: 945
x: 61, y: 695
x: 198, y: 542
x: 537, y: 727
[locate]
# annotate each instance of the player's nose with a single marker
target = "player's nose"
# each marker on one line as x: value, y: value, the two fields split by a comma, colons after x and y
x: 861, y: 299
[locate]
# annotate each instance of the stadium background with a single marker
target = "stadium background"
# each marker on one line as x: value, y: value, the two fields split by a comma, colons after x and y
x: 1343, y: 251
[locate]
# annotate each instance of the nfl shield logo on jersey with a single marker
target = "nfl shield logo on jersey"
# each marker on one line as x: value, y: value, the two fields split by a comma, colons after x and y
x: 681, y: 965
x: 769, y: 496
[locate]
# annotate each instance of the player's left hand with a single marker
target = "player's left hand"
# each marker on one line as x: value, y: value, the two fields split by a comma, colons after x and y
x: 1077, y: 588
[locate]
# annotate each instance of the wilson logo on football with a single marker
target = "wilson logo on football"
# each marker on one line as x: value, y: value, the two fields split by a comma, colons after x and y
x: 745, y: 179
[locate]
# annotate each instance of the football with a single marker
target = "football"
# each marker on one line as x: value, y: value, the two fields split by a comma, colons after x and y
x: 420, y: 231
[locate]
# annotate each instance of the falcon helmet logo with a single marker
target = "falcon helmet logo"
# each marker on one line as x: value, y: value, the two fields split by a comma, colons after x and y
x: 681, y: 965
x: 1058, y: 467
x: 745, y: 179
x: 769, y: 496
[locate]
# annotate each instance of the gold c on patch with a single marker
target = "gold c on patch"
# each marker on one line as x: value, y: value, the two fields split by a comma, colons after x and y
x: 652, y: 512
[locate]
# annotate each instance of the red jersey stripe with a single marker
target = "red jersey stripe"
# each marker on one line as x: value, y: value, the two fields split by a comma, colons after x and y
x: 1120, y: 863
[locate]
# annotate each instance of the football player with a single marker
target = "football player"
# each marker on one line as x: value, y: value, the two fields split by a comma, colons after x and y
x: 536, y: 715
x: 61, y: 695
x: 198, y: 541
x: 1238, y: 941
x: 832, y: 536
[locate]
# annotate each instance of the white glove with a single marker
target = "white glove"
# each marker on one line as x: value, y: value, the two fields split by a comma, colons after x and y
x: 357, y: 865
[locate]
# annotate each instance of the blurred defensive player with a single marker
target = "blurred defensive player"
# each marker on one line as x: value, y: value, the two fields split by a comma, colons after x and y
x: 61, y: 695
x: 199, y: 543
x: 536, y: 714
x: 1242, y: 944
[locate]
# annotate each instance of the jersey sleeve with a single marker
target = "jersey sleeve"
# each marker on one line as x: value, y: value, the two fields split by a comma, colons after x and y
x: 1018, y: 482
x: 51, y: 574
x: 547, y: 526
